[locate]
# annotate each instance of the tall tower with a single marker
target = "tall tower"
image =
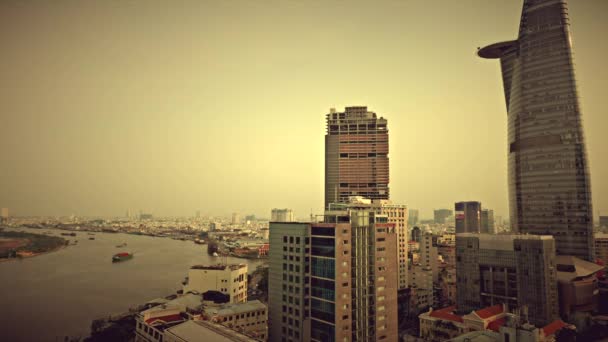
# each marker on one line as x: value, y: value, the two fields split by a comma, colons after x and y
x: 356, y: 156
x: 468, y: 217
x: 549, y: 183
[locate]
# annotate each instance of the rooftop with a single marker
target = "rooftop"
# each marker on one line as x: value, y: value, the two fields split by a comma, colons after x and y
x: 490, y: 311
x: 230, y: 309
x: 570, y: 267
x: 202, y: 331
x: 446, y: 314
x: 218, y: 267
x: 553, y: 327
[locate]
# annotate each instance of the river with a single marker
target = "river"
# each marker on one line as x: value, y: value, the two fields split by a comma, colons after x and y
x: 58, y: 294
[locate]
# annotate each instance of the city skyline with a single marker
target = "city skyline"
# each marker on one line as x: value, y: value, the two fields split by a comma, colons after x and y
x: 151, y: 133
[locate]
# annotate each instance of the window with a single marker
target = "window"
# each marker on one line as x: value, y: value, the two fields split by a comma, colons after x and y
x: 284, y: 239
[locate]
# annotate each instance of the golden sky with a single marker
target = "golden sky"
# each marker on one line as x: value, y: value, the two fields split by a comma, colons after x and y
x: 175, y: 106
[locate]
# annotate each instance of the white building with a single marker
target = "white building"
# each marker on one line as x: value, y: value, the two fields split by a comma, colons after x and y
x: 227, y: 279
x: 282, y: 215
x: 249, y: 318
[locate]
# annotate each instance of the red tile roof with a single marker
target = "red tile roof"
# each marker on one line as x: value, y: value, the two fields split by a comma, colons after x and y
x: 495, y: 325
x: 447, y: 314
x: 553, y: 327
x: 165, y: 319
x: 490, y: 311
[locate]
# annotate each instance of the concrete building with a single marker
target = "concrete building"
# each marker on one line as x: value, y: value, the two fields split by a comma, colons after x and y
x: 441, y: 215
x: 288, y: 289
x: 412, y: 217
x: 577, y: 286
x: 372, y: 247
x: 250, y: 318
x: 516, y: 270
x: 228, y: 279
x: 4, y: 215
x: 416, y: 234
x: 356, y: 155
x: 428, y: 255
x: 203, y: 331
x: 601, y: 247
x: 236, y: 218
x: 604, y: 222
x: 215, y: 226
x: 281, y: 215
x: 397, y: 214
x: 468, y: 217
x: 549, y: 182
x: 487, y: 221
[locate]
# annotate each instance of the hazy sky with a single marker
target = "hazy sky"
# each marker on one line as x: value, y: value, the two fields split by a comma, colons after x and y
x: 219, y: 106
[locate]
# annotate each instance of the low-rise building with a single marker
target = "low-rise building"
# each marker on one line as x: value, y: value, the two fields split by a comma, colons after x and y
x: 577, y: 285
x: 250, y: 318
x: 202, y: 331
x: 227, y: 279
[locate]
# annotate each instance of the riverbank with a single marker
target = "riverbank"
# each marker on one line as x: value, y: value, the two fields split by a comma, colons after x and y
x: 19, y: 245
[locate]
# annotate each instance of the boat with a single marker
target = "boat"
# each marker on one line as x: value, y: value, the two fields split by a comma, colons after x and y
x: 92, y: 238
x: 122, y: 256
x: 215, y: 254
x: 124, y: 244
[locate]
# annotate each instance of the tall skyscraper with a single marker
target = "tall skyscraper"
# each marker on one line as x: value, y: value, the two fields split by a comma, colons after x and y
x: 549, y: 183
x: 281, y: 215
x: 468, y: 217
x: 487, y: 221
x: 517, y: 270
x: 412, y: 218
x: 335, y: 280
x: 441, y: 215
x: 356, y: 155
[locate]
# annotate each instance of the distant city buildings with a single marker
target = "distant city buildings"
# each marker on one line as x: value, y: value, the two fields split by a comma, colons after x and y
x: 412, y: 217
x: 282, y: 215
x: 230, y: 280
x: 3, y: 215
x: 236, y: 218
x: 487, y: 221
x: 468, y: 217
x: 604, y: 222
x: 516, y: 270
x: 215, y: 226
x: 549, y: 182
x: 441, y: 215
x: 356, y: 155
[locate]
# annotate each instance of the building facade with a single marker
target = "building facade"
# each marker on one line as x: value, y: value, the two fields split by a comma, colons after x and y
x: 441, y: 215
x: 549, y: 182
x: 288, y: 289
x: 516, y: 270
x: 356, y: 155
x: 250, y: 318
x: 487, y: 221
x: 468, y: 217
x: 281, y: 215
x: 230, y: 280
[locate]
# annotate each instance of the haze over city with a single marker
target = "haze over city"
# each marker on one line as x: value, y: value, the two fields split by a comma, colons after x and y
x: 220, y: 106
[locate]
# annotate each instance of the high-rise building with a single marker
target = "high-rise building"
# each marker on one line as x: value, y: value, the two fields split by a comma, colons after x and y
x: 397, y: 214
x: 604, y: 221
x: 356, y: 155
x: 549, y: 183
x: 487, y: 221
x: 373, y: 252
x: 281, y: 215
x: 601, y: 247
x: 4, y: 215
x: 236, y: 218
x: 468, y: 217
x: 288, y: 292
x: 412, y: 218
x: 441, y: 215
x: 416, y: 234
x: 517, y: 270
x: 335, y: 280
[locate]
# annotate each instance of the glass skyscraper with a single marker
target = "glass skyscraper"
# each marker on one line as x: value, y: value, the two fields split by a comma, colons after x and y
x: 549, y: 184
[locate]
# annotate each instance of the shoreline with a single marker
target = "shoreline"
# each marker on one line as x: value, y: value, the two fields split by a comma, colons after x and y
x: 32, y: 255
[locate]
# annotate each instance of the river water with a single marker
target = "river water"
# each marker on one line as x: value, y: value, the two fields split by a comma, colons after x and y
x: 58, y: 294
